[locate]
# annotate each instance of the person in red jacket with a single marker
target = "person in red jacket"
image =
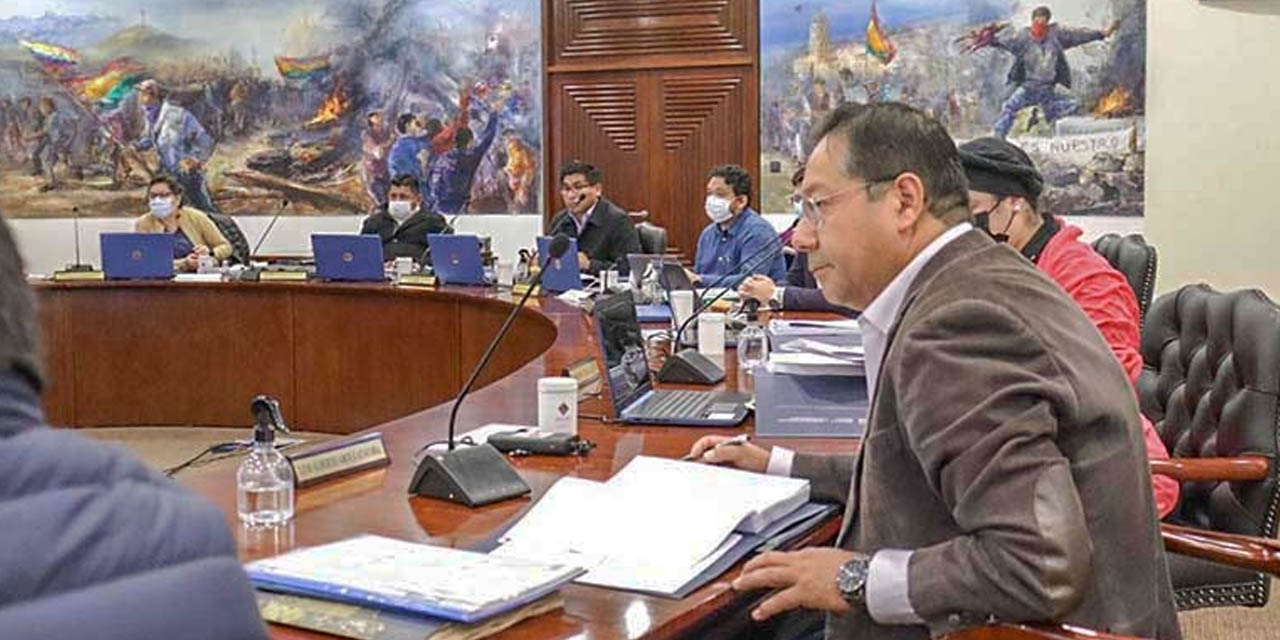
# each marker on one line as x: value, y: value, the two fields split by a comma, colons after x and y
x: 1004, y: 187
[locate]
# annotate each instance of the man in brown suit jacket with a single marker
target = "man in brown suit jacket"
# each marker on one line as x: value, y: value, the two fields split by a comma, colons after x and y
x: 1002, y: 475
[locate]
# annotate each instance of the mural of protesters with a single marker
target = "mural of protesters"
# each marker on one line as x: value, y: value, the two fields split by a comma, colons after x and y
x: 179, y: 140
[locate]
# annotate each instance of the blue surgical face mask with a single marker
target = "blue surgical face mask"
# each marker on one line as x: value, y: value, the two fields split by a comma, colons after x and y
x: 162, y: 207
x: 401, y: 210
x: 718, y: 209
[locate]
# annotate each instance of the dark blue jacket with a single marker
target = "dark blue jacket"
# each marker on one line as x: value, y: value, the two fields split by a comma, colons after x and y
x: 94, y: 544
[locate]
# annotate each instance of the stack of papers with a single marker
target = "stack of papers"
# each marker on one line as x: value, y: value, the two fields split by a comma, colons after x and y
x: 811, y: 357
x: 462, y: 586
x: 796, y: 328
x: 658, y: 526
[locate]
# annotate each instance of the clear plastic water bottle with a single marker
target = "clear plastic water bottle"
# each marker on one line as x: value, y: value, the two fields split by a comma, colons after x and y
x: 264, y: 482
x: 207, y: 264
x: 753, y: 345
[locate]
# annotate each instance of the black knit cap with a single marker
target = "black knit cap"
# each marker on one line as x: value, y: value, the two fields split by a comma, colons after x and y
x: 998, y: 167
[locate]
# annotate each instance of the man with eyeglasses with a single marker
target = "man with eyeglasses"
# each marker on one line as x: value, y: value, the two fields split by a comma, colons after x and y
x: 1002, y: 474
x: 604, y: 231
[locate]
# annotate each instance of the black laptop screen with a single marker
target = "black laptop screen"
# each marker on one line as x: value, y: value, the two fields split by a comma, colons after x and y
x: 622, y: 344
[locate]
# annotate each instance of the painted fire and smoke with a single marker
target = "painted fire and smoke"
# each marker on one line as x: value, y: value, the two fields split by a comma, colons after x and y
x: 1063, y: 79
x: 251, y: 102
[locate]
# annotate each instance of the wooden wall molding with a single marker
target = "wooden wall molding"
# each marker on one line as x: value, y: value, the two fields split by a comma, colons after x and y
x: 602, y: 32
x: 611, y: 106
x: 688, y: 102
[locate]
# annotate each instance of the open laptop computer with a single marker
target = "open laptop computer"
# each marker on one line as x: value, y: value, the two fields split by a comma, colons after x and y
x: 562, y: 273
x: 137, y: 256
x: 631, y: 385
x: 356, y: 258
x: 456, y: 259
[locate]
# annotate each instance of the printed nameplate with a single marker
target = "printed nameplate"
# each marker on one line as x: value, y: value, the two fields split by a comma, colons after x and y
x: 78, y: 276
x: 338, y: 459
x: 417, y: 280
x: 521, y: 289
x: 282, y: 276
x: 587, y: 373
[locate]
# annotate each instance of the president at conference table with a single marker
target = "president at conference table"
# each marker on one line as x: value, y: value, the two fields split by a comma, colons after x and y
x: 1002, y: 475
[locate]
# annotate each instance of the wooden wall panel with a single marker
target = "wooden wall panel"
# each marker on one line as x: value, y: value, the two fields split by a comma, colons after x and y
x: 655, y: 93
x: 598, y: 119
x: 597, y: 34
x: 58, y: 395
x: 150, y: 355
x: 345, y: 378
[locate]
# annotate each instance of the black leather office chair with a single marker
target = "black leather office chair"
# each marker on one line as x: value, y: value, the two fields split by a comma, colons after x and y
x: 653, y: 239
x: 1132, y: 256
x: 1211, y: 386
x: 231, y: 231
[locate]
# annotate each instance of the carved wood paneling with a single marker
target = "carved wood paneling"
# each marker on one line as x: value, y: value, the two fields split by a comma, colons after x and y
x: 601, y: 32
x: 654, y: 93
x: 597, y: 118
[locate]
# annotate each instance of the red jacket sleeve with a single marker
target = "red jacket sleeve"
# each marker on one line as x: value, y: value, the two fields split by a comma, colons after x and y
x: 1105, y: 296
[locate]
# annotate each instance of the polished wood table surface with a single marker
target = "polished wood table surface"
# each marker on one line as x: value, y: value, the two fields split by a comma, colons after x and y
x: 378, y: 502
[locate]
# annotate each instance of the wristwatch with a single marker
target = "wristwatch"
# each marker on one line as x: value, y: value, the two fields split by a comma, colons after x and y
x: 852, y: 578
x: 775, y: 301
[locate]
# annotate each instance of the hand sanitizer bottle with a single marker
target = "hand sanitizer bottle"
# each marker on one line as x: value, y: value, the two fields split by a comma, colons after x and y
x: 264, y: 482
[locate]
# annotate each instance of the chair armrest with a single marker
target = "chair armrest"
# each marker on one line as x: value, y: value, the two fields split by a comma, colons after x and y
x: 1242, y: 469
x: 1005, y: 631
x: 1245, y: 552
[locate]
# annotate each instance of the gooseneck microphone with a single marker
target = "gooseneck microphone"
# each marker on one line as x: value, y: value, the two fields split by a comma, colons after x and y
x: 284, y: 204
x: 754, y: 260
x: 478, y: 475
x: 688, y: 365
x: 77, y: 266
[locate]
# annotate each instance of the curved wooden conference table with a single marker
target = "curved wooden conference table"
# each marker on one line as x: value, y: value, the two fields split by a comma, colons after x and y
x: 349, y: 358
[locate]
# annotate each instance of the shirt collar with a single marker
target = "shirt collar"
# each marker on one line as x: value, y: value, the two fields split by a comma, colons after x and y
x: 735, y: 225
x: 883, y: 311
x: 586, y: 217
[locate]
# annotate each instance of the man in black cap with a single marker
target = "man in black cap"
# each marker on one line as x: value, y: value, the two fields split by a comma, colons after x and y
x: 1004, y: 188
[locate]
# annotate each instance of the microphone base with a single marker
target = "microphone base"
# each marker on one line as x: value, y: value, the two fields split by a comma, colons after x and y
x: 78, y: 268
x: 471, y: 476
x: 687, y: 366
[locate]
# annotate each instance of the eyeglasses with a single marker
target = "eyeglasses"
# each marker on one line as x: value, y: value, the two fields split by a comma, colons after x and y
x: 812, y: 208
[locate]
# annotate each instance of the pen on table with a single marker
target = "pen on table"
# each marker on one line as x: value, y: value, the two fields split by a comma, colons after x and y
x: 736, y: 440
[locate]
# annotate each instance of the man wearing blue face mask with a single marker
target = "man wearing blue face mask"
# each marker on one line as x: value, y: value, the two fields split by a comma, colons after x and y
x: 738, y: 242
x: 406, y: 223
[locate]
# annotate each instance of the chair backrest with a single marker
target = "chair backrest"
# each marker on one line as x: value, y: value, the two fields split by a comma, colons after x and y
x: 1132, y: 256
x: 231, y: 231
x: 1211, y: 386
x: 653, y: 239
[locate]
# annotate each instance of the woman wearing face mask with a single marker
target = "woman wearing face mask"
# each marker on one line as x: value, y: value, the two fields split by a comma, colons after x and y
x: 405, y: 225
x: 194, y: 234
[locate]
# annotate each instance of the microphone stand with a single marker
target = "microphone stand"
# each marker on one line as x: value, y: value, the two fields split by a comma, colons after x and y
x: 251, y: 273
x: 77, y: 266
x: 689, y: 366
x: 478, y: 475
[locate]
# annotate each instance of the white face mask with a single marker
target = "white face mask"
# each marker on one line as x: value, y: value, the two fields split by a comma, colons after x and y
x: 162, y: 207
x: 718, y: 209
x: 400, y: 209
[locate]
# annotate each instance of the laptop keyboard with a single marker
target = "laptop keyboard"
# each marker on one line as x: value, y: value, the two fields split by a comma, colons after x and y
x: 676, y: 404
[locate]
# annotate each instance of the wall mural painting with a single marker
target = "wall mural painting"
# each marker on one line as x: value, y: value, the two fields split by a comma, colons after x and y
x: 1063, y: 79
x: 251, y: 102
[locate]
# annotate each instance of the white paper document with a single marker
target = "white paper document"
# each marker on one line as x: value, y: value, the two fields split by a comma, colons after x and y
x: 654, y: 526
x: 789, y: 328
x: 814, y: 364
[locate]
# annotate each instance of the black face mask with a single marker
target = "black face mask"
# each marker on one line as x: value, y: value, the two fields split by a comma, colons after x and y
x: 983, y: 221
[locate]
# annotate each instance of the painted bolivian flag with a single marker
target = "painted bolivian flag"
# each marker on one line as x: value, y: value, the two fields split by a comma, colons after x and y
x: 302, y: 68
x: 878, y: 43
x: 112, y: 84
x: 51, y: 54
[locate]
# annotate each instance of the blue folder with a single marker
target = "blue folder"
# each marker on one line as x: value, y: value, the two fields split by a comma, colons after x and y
x: 137, y: 256
x: 562, y: 273
x: 348, y: 257
x: 456, y: 259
